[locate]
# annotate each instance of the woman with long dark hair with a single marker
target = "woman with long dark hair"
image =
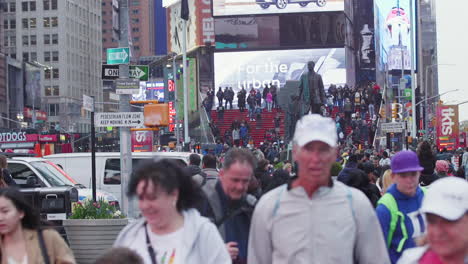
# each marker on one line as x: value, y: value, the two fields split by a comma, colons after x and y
x: 22, y: 241
x: 171, y: 231
x: 427, y: 159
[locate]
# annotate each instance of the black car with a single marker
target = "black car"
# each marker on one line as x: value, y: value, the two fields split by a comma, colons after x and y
x: 282, y: 4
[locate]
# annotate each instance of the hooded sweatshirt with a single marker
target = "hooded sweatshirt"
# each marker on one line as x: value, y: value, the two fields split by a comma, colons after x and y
x: 414, y: 222
x: 200, y: 243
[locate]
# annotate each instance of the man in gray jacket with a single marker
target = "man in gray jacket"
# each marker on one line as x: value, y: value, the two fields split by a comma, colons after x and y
x: 314, y: 219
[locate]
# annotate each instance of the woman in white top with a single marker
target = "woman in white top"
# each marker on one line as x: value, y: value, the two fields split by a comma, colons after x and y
x: 170, y: 231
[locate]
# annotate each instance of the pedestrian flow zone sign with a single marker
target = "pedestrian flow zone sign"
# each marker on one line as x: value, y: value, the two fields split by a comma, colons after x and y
x: 111, y: 72
x: 394, y: 127
x: 122, y: 119
x: 118, y: 56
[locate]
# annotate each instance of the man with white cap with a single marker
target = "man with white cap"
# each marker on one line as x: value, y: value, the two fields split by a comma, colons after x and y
x: 313, y: 219
x: 445, y: 206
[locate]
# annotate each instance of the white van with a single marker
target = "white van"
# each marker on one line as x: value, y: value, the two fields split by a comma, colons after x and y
x: 78, y: 166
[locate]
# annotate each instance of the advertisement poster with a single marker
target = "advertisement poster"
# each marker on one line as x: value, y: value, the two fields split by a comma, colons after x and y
x: 259, y: 68
x: 393, y: 28
x: 142, y: 141
x: 150, y: 91
x: 260, y: 7
x: 447, y: 127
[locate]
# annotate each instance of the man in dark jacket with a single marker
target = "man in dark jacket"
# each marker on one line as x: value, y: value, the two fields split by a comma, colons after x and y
x: 220, y: 95
x: 344, y: 175
x: 194, y: 169
x: 227, y: 203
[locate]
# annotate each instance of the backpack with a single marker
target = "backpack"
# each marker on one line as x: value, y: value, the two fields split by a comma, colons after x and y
x: 389, y: 201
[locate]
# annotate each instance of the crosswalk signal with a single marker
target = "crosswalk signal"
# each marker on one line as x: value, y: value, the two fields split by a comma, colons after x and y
x: 156, y: 115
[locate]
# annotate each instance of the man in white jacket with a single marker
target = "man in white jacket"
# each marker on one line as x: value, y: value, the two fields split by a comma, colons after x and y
x: 446, y: 208
x: 314, y: 219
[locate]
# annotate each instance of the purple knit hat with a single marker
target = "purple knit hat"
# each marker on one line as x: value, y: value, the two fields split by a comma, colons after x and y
x: 405, y: 161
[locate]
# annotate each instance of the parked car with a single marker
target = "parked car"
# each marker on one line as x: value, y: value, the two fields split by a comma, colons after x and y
x: 29, y: 172
x: 282, y: 4
x: 78, y: 166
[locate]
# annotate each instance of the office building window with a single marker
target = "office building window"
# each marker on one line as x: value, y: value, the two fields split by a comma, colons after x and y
x: 53, y: 109
x: 12, y: 24
x: 46, y: 39
x: 135, y: 29
x: 25, y: 40
x: 46, y: 22
x: 55, y: 56
x: 13, y: 41
x: 51, y: 90
x: 33, y: 56
x: 32, y: 22
x: 13, y: 9
x: 47, y: 56
x: 104, y: 40
x: 24, y: 6
x: 25, y: 56
x: 5, y: 24
x: 25, y: 22
x: 32, y: 6
x: 55, y: 73
x: 135, y: 3
x: 54, y: 5
x: 135, y: 20
x: 5, y: 41
x: 135, y: 11
x: 47, y: 73
x: 54, y: 39
x: 46, y: 4
x: 136, y: 39
x: 54, y: 21
x: 136, y: 47
x: 33, y: 40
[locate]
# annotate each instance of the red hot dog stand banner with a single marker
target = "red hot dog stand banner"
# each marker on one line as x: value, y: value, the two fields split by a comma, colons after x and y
x: 447, y: 127
x: 21, y: 140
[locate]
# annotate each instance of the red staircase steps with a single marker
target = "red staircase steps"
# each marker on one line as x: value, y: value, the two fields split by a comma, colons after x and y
x: 257, y: 129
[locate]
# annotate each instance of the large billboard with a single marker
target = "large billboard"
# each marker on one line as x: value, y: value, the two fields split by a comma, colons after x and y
x: 259, y: 7
x: 255, y: 69
x: 312, y: 30
x: 393, y: 33
x: 447, y: 127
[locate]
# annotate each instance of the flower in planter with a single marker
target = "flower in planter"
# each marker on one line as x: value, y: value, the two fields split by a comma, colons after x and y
x: 100, y: 209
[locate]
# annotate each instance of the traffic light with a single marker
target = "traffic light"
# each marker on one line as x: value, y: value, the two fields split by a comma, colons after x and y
x: 156, y: 115
x: 397, y: 112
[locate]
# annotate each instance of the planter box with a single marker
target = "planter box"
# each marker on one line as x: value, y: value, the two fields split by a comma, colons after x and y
x: 90, y: 238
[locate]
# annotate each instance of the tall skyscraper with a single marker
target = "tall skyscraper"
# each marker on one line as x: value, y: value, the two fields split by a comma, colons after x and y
x: 63, y: 37
x: 141, y: 28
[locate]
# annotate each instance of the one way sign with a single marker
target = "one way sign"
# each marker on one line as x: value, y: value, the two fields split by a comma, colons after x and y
x: 111, y: 72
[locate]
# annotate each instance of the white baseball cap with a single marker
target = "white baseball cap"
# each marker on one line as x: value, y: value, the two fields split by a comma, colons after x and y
x: 447, y: 198
x: 315, y: 127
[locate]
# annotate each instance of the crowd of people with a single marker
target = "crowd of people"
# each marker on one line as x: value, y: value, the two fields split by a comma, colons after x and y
x: 327, y: 204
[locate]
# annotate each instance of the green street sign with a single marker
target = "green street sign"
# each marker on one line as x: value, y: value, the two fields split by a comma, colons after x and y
x: 408, y: 94
x: 118, y: 56
x: 139, y: 72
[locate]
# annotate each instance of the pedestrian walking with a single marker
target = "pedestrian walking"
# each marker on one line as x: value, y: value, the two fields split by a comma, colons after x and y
x: 220, y: 96
x: 464, y: 162
x: 398, y: 209
x: 314, y: 219
x: 446, y: 209
x: 227, y: 203
x: 170, y: 231
x: 22, y: 240
x: 5, y: 176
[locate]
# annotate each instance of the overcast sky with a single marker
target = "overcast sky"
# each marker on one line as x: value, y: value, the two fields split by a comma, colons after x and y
x: 452, y: 48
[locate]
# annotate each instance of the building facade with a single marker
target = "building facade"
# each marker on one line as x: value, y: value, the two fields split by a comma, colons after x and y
x: 63, y: 39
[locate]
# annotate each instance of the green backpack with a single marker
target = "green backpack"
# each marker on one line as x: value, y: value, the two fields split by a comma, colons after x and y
x: 389, y: 201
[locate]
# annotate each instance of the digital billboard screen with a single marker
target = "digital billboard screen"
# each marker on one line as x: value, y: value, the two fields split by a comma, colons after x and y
x: 259, y: 7
x: 393, y: 33
x: 150, y: 91
x: 255, y: 69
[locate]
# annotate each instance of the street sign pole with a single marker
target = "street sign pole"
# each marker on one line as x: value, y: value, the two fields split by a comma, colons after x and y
x: 124, y: 106
x: 93, y: 154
